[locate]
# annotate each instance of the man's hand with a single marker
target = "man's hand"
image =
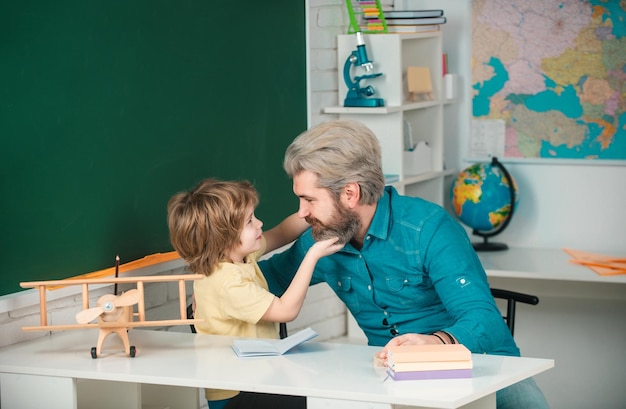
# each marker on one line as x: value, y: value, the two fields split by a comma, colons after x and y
x: 408, y: 339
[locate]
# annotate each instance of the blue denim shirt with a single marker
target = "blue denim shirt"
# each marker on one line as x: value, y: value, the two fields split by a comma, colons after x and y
x: 416, y: 273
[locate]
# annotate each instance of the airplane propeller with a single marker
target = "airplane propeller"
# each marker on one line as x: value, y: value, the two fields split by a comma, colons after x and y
x: 108, y: 306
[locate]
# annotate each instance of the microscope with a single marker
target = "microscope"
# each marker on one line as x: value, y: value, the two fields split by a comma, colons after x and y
x: 360, y: 96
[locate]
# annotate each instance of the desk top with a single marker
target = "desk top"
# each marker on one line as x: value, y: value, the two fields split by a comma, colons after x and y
x: 325, y: 370
x: 545, y: 264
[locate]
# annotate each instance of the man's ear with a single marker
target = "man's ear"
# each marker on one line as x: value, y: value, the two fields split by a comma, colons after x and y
x: 352, y: 194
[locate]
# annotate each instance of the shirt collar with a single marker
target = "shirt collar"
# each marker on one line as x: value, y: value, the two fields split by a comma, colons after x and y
x: 380, y: 223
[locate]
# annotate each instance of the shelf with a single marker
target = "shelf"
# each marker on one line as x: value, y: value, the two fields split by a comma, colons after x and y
x: 423, y: 177
x: 409, y: 106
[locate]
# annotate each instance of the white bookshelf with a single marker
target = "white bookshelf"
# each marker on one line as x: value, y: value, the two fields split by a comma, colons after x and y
x: 391, y: 54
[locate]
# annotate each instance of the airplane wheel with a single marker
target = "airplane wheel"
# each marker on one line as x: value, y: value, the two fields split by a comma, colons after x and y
x: 132, y: 351
x: 94, y: 352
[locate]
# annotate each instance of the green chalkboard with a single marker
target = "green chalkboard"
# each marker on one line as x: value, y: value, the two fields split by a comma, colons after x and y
x: 109, y: 107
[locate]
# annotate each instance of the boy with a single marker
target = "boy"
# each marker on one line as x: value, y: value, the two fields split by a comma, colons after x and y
x: 213, y: 227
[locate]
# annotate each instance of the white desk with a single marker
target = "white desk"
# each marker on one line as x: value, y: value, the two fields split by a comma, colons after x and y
x: 541, y: 264
x: 45, y: 372
x: 576, y: 306
x: 548, y: 273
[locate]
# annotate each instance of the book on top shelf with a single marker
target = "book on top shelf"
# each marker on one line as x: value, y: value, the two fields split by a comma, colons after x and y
x: 413, y: 13
x: 415, y: 21
x: 428, y: 353
x: 412, y: 29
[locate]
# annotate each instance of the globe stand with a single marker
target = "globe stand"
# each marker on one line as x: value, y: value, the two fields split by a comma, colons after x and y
x: 486, y: 245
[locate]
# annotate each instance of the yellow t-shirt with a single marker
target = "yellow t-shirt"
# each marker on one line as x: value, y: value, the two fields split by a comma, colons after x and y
x: 231, y: 301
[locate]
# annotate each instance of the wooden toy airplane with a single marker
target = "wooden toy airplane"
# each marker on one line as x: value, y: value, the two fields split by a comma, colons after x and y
x: 114, y: 313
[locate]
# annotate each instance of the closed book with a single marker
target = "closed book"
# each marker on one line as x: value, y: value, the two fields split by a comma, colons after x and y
x: 415, y: 21
x: 413, y: 13
x: 429, y: 366
x: 443, y: 374
x: 412, y: 29
x: 428, y: 353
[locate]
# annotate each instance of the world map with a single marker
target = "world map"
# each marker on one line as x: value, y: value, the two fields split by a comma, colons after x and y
x: 555, y: 72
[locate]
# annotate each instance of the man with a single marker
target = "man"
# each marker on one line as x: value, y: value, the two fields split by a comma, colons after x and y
x: 408, y: 272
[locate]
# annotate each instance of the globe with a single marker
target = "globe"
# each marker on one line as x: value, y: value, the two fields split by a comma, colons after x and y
x: 484, y: 197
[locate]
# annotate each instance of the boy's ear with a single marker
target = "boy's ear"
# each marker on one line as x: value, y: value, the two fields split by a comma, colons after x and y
x: 352, y: 194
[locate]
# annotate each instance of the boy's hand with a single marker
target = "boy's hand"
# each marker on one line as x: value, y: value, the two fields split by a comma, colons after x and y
x: 326, y: 247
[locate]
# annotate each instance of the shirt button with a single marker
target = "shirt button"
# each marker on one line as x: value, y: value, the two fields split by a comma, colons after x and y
x: 367, y: 238
x: 369, y: 287
x: 339, y: 283
x: 394, y: 332
x: 462, y: 281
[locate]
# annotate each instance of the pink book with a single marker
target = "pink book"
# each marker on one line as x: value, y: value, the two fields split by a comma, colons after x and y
x: 428, y: 353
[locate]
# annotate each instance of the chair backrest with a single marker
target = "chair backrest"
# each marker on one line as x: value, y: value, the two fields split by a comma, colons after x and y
x: 190, y: 317
x: 283, y: 330
x: 512, y: 298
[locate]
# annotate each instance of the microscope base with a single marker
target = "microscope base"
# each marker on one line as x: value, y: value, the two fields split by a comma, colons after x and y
x: 364, y: 102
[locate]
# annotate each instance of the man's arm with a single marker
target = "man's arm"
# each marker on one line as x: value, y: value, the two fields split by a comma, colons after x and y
x: 461, y: 284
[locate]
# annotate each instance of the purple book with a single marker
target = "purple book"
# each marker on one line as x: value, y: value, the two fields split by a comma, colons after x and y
x: 437, y: 374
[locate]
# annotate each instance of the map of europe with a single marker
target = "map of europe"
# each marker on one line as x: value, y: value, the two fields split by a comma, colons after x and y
x: 555, y: 72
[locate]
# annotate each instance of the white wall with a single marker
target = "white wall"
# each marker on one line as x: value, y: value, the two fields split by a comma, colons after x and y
x: 575, y: 206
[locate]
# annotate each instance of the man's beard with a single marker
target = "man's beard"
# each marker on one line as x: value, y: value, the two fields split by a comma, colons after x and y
x: 345, y: 224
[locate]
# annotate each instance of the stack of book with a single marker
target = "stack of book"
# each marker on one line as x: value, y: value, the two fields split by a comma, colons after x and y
x: 414, y: 21
x: 408, y: 362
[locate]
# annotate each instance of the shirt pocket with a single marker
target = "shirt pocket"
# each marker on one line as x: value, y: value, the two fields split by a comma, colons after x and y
x: 405, y: 289
x: 342, y: 286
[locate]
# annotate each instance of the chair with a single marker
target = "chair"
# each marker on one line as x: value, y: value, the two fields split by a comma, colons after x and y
x: 282, y: 326
x: 190, y: 317
x: 512, y: 298
x: 283, y: 330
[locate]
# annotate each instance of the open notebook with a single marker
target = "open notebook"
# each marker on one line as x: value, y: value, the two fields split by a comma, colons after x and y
x: 268, y: 347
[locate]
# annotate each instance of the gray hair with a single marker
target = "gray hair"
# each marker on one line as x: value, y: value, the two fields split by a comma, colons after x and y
x: 339, y: 152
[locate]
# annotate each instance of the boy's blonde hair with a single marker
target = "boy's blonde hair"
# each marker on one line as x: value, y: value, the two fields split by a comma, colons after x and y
x: 206, y: 222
